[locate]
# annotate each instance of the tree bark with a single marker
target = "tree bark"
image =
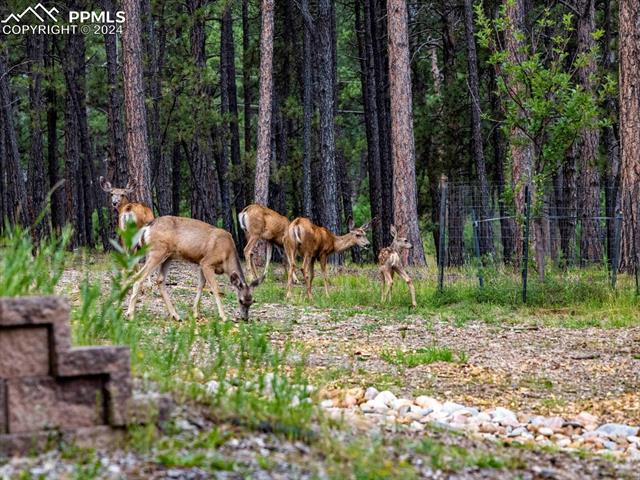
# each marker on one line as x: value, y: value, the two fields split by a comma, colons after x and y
x: 36, y: 178
x: 16, y: 207
x: 486, y: 231
x: 591, y: 250
x: 329, y: 188
x: 403, y: 148
x: 57, y: 198
x: 629, y: 41
x: 263, y: 156
x: 308, y: 108
x: 135, y: 109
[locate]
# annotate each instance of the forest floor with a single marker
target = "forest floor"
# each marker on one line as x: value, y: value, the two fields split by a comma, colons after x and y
x: 566, y: 353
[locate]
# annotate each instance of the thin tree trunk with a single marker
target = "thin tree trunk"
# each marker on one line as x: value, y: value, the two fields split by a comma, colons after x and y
x: 135, y: 109
x: 590, y: 243
x: 629, y: 42
x: 263, y: 156
x: 57, y: 199
x: 308, y: 108
x: 486, y: 232
x: 403, y: 147
x: 36, y: 178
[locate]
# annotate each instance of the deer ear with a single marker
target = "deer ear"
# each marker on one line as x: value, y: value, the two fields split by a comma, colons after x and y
x: 104, y: 184
x: 256, y: 282
x: 236, y: 281
x: 350, y: 223
x: 394, y: 232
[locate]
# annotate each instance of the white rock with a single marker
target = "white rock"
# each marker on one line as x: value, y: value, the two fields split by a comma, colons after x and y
x: 385, y: 397
x: 428, y: 402
x: 326, y: 403
x: 401, y: 402
x: 416, y: 426
x: 212, y: 387
x: 617, y: 429
x: 451, y: 407
x: 371, y: 393
x: 546, y: 431
x: 374, y: 406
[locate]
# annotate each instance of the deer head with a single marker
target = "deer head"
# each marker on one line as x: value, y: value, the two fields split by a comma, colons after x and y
x: 118, y: 195
x: 360, y: 234
x: 244, y: 291
x: 399, y: 243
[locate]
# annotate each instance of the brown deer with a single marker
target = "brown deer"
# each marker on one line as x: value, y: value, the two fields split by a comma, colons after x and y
x: 212, y: 249
x: 262, y: 223
x: 390, y: 263
x: 128, y: 211
x: 317, y: 243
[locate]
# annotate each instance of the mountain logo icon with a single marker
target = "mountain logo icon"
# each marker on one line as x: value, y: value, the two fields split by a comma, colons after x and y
x: 39, y: 11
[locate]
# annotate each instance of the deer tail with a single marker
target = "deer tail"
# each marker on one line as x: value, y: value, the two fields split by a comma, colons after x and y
x: 242, y: 218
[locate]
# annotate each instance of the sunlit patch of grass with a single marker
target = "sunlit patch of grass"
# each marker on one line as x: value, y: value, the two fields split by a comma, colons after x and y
x: 421, y: 356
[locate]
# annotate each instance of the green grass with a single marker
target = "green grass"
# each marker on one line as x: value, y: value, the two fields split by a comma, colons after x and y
x: 421, y: 356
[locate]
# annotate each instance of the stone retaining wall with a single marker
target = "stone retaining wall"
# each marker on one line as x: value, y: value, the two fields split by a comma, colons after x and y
x: 49, y: 389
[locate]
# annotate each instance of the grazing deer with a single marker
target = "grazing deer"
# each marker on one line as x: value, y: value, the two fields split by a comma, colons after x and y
x: 317, y: 243
x: 128, y: 211
x: 262, y: 223
x: 390, y: 263
x: 176, y: 238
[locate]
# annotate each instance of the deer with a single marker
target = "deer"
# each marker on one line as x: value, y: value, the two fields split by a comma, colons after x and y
x: 390, y: 263
x: 212, y: 249
x: 128, y: 211
x: 317, y: 243
x: 262, y: 223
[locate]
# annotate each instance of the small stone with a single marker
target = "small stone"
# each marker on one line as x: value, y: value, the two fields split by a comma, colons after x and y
x: 326, y: 403
x: 546, y: 431
x: 563, y: 443
x: 487, y: 427
x: 385, y: 397
x: 428, y: 402
x: 401, y: 402
x: 585, y: 418
x: 451, y: 407
x: 609, y: 445
x: 517, y: 432
x: 633, y: 439
x: 617, y: 429
x: 212, y: 387
x: 505, y: 417
x: 416, y: 426
x: 374, y: 406
x: 350, y: 401
x: 371, y: 393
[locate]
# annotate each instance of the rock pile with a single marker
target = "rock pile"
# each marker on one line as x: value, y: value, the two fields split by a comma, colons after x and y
x: 582, y: 432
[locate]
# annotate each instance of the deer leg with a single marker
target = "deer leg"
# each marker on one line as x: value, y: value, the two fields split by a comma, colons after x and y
x: 288, y: 263
x: 407, y: 279
x: 308, y: 275
x: 161, y: 282
x: 248, y: 255
x: 210, y: 276
x: 290, y: 253
x: 150, y: 265
x: 323, y: 267
x: 268, y: 261
x: 388, y: 283
x: 196, y: 304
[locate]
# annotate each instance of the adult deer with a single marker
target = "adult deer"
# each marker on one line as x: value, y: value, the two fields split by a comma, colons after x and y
x: 262, y: 223
x: 128, y: 211
x: 390, y: 263
x: 212, y: 249
x: 317, y: 243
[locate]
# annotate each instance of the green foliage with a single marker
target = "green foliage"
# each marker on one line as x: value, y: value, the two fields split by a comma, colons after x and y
x: 544, y: 105
x: 29, y: 269
x: 421, y: 356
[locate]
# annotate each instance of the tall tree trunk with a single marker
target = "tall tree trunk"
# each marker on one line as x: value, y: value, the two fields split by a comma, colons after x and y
x: 308, y: 108
x: 371, y: 117
x: 630, y: 131
x: 232, y: 93
x: 176, y: 176
x: 225, y: 131
x: 403, y: 148
x: 521, y: 148
x: 135, y: 110
x: 57, y: 199
x: 117, y: 164
x: 589, y: 202
x: 263, y: 156
x: 612, y: 145
x: 486, y: 232
x: 16, y: 207
x: 329, y: 188
x: 36, y: 179
x: 205, y: 185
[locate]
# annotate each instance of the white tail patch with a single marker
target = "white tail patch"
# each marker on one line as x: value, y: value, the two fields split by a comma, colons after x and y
x: 141, y: 237
x: 296, y: 234
x: 242, y: 218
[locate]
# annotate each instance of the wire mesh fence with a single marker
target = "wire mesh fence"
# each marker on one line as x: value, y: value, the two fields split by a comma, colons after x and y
x: 556, y: 228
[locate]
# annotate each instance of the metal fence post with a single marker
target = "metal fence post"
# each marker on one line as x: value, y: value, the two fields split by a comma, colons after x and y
x: 443, y: 232
x: 525, y: 243
x: 615, y: 254
x: 476, y: 244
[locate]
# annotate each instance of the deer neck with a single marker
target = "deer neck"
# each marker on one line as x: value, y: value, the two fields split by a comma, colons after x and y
x: 343, y: 242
